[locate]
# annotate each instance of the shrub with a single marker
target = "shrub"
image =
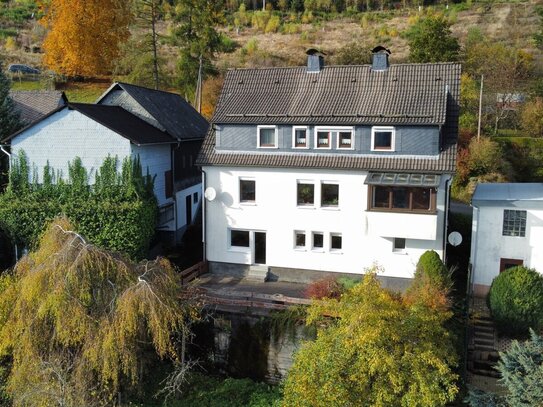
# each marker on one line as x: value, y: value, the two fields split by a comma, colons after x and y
x: 325, y: 288
x: 516, y: 301
x: 431, y: 268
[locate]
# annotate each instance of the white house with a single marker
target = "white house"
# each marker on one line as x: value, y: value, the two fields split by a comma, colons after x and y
x: 160, y: 128
x: 507, y: 231
x: 330, y: 169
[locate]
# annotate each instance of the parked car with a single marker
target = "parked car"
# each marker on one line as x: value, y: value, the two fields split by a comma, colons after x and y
x: 24, y: 69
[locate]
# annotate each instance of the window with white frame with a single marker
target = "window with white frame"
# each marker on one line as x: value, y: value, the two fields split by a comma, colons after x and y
x: 329, y: 194
x: 299, y: 239
x: 267, y: 136
x: 398, y: 244
x: 305, y: 194
x: 383, y: 138
x: 300, y: 139
x: 239, y: 238
x: 336, y: 242
x: 324, y: 139
x: 514, y: 223
x: 343, y: 135
x: 318, y: 241
x: 247, y: 190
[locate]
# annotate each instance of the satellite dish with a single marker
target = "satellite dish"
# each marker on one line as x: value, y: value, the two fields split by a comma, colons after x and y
x: 455, y: 238
x: 210, y: 194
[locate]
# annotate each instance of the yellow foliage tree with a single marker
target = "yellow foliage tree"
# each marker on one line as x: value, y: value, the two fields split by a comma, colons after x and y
x: 84, y: 36
x: 79, y: 321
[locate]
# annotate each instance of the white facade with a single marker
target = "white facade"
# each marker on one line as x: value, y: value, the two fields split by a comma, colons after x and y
x: 69, y: 134
x: 491, y: 251
x: 366, y: 236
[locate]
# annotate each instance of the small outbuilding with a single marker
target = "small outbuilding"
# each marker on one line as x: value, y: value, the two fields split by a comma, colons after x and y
x: 507, y: 231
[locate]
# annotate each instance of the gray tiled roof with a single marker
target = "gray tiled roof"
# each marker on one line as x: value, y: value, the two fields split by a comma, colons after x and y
x: 414, y: 94
x: 173, y: 112
x: 35, y: 104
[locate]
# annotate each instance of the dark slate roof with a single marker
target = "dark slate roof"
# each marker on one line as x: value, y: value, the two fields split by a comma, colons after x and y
x: 35, y: 104
x: 408, y: 94
x: 124, y: 123
x: 173, y: 112
x: 116, y: 119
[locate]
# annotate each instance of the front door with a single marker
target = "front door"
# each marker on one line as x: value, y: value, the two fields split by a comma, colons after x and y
x: 260, y: 247
x: 508, y: 263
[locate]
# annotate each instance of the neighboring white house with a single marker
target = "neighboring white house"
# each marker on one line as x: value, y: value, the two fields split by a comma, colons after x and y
x: 330, y: 169
x: 507, y: 231
x: 160, y: 128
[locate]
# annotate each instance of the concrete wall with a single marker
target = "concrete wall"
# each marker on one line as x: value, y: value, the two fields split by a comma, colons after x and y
x: 66, y: 135
x: 276, y: 213
x: 409, y: 140
x: 488, y: 245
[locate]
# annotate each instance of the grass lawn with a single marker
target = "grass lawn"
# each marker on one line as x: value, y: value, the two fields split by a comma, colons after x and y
x: 80, y: 92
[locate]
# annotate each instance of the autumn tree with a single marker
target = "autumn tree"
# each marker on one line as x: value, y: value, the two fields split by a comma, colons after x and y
x: 198, y: 40
x: 79, y: 322
x: 376, y: 348
x: 83, y: 37
x: 430, y: 40
x: 532, y: 117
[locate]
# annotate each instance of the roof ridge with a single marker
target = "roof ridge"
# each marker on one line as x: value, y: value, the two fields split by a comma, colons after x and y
x: 343, y: 66
x: 149, y: 89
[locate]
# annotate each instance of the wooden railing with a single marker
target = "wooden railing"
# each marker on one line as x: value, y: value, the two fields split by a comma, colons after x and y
x: 193, y: 272
x: 251, y: 299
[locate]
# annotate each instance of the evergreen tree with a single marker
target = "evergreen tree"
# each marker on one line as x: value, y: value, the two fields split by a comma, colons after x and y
x: 430, y: 40
x: 9, y: 117
x: 521, y: 368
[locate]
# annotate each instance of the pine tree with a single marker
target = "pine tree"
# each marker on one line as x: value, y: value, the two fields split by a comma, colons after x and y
x: 9, y: 117
x: 521, y: 368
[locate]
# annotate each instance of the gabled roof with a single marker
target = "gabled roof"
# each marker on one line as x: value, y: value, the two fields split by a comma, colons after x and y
x: 34, y: 104
x: 507, y: 192
x: 402, y: 94
x: 173, y: 113
x: 407, y: 94
x: 116, y: 119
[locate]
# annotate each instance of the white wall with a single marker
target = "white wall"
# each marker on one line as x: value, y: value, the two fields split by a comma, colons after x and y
x: 180, y: 197
x: 158, y: 159
x: 489, y: 245
x: 276, y: 213
x: 66, y: 135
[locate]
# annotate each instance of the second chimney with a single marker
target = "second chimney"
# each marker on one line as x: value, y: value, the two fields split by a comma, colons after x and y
x: 380, y: 58
x: 315, y: 60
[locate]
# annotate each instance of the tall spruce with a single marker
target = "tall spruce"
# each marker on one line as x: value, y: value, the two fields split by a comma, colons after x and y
x: 10, y: 120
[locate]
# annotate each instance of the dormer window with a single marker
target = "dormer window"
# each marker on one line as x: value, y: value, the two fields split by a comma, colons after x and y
x: 300, y: 139
x: 267, y: 136
x: 383, y: 138
x: 323, y: 139
x: 343, y: 137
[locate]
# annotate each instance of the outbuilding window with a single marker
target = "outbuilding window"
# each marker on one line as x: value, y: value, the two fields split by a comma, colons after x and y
x: 514, y: 223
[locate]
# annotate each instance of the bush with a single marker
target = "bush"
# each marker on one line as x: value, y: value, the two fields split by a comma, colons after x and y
x: 516, y: 301
x: 325, y: 288
x: 430, y: 268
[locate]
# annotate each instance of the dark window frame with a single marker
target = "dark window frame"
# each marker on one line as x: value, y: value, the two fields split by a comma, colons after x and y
x: 432, y: 210
x: 239, y: 231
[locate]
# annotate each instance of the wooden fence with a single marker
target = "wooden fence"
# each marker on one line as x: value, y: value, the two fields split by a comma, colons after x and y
x: 193, y: 272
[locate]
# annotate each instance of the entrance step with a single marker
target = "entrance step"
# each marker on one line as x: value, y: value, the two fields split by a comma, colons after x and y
x: 258, y: 273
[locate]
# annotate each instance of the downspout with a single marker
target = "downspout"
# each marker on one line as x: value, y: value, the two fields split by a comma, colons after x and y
x: 4, y: 151
x: 446, y: 220
x: 204, y: 205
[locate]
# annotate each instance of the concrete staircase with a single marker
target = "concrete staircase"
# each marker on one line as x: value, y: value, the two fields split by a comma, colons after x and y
x: 482, y: 352
x: 257, y: 273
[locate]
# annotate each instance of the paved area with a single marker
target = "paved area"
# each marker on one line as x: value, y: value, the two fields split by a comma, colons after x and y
x: 218, y: 282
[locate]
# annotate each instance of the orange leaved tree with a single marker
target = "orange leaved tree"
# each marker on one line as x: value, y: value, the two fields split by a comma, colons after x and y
x: 84, y: 36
